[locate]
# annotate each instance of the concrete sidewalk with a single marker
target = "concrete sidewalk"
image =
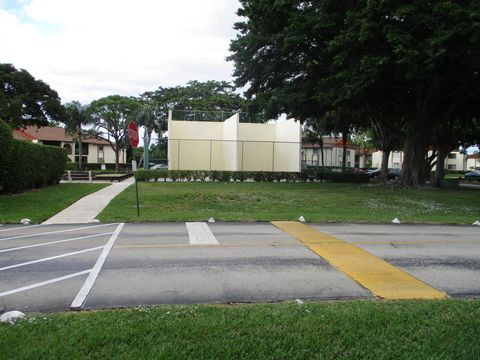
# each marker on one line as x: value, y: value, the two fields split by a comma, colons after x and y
x: 87, y: 208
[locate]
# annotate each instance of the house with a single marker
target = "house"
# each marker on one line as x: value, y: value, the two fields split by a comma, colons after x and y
x: 473, y: 161
x: 95, y: 150
x: 332, y: 154
x: 454, y: 161
x: 233, y: 145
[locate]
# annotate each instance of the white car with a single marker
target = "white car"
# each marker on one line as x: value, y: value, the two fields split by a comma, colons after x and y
x: 159, y: 167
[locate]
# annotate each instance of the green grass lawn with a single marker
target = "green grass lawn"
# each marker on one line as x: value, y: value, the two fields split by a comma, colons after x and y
x: 39, y: 205
x: 317, y: 202
x: 327, y: 330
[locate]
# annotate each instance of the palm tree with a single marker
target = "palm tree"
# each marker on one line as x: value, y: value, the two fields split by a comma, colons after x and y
x: 149, y: 118
x: 77, y: 117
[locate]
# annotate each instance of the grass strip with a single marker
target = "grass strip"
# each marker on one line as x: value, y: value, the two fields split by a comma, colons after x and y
x: 40, y: 204
x: 328, y: 330
x: 317, y: 202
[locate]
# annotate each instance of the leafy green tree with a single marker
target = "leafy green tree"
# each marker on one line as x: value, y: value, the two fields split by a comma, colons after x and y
x: 418, y: 59
x: 27, y: 101
x: 77, y: 117
x: 200, y: 96
x: 110, y: 117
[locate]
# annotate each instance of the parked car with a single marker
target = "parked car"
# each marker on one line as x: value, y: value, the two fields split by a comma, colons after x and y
x: 472, y: 175
x: 373, y: 173
x: 159, y: 167
x: 392, y: 174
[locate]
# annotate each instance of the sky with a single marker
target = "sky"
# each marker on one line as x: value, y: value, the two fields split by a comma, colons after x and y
x: 88, y: 49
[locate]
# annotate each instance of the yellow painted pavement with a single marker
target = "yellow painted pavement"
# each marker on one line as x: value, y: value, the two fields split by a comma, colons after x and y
x: 378, y: 276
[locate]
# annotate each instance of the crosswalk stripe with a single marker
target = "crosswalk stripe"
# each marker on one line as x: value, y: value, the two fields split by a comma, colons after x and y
x: 380, y: 277
x: 199, y: 233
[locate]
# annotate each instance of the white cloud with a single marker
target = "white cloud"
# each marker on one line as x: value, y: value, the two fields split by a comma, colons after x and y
x: 86, y: 49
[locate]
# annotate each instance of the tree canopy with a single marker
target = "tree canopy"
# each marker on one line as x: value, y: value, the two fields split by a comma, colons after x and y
x: 201, y: 96
x: 409, y: 65
x: 26, y: 101
x: 110, y: 117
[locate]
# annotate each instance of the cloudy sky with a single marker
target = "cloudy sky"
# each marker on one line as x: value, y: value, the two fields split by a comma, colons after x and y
x: 87, y: 49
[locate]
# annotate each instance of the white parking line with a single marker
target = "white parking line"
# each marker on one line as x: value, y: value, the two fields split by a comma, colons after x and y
x: 87, y: 286
x: 22, y: 227
x: 47, y: 282
x: 54, y: 242
x: 55, y: 232
x: 200, y: 233
x: 50, y: 258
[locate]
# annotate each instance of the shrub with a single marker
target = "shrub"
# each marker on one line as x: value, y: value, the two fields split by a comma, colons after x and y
x: 199, y: 175
x: 240, y: 175
x: 31, y: 165
x: 142, y: 175
x: 225, y: 176
x: 174, y: 175
x: 258, y: 176
x: 6, y: 141
x: 186, y: 175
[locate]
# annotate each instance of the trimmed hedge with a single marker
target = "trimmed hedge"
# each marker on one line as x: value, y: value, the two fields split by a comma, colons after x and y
x: 257, y: 176
x: 27, y: 165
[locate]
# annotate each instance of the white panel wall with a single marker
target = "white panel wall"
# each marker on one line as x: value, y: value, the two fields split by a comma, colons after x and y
x: 231, y: 145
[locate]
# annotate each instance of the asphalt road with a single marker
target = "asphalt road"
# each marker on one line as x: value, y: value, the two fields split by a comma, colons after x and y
x: 50, y: 267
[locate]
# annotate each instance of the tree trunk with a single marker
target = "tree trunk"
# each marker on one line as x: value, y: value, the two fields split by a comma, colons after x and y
x: 414, y: 161
x: 384, y: 165
x: 117, y: 158
x: 80, y: 153
x: 344, y: 157
x: 440, y: 170
x: 322, y: 155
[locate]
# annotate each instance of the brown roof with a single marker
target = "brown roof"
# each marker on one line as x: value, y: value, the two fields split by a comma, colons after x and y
x: 474, y: 156
x: 47, y: 133
x: 329, y: 142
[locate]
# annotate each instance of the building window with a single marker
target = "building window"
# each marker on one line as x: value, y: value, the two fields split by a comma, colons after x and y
x: 84, y: 149
x: 452, y: 156
x: 452, y: 167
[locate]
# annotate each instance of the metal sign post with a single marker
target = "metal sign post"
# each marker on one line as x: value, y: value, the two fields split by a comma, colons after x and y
x: 133, y: 137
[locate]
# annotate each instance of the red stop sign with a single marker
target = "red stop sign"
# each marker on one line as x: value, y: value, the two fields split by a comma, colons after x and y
x: 133, y: 134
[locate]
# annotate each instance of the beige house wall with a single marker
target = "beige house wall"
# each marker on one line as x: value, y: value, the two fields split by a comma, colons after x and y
x: 93, y: 153
x: 473, y: 164
x: 332, y: 156
x: 233, y: 146
x: 456, y: 160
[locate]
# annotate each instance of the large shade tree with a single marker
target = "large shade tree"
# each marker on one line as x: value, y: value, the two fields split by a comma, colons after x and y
x: 418, y: 61
x: 25, y: 100
x: 110, y: 117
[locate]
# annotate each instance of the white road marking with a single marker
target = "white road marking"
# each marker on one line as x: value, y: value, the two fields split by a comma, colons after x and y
x: 50, y: 258
x: 47, y: 282
x: 87, y: 286
x: 54, y: 242
x: 18, y: 227
x: 200, y: 233
x: 55, y: 232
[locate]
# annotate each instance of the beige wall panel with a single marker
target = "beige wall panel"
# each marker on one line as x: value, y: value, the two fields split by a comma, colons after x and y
x: 195, y: 130
x: 217, y: 156
x: 193, y: 155
x: 256, y: 132
x: 286, y: 157
x: 257, y: 156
